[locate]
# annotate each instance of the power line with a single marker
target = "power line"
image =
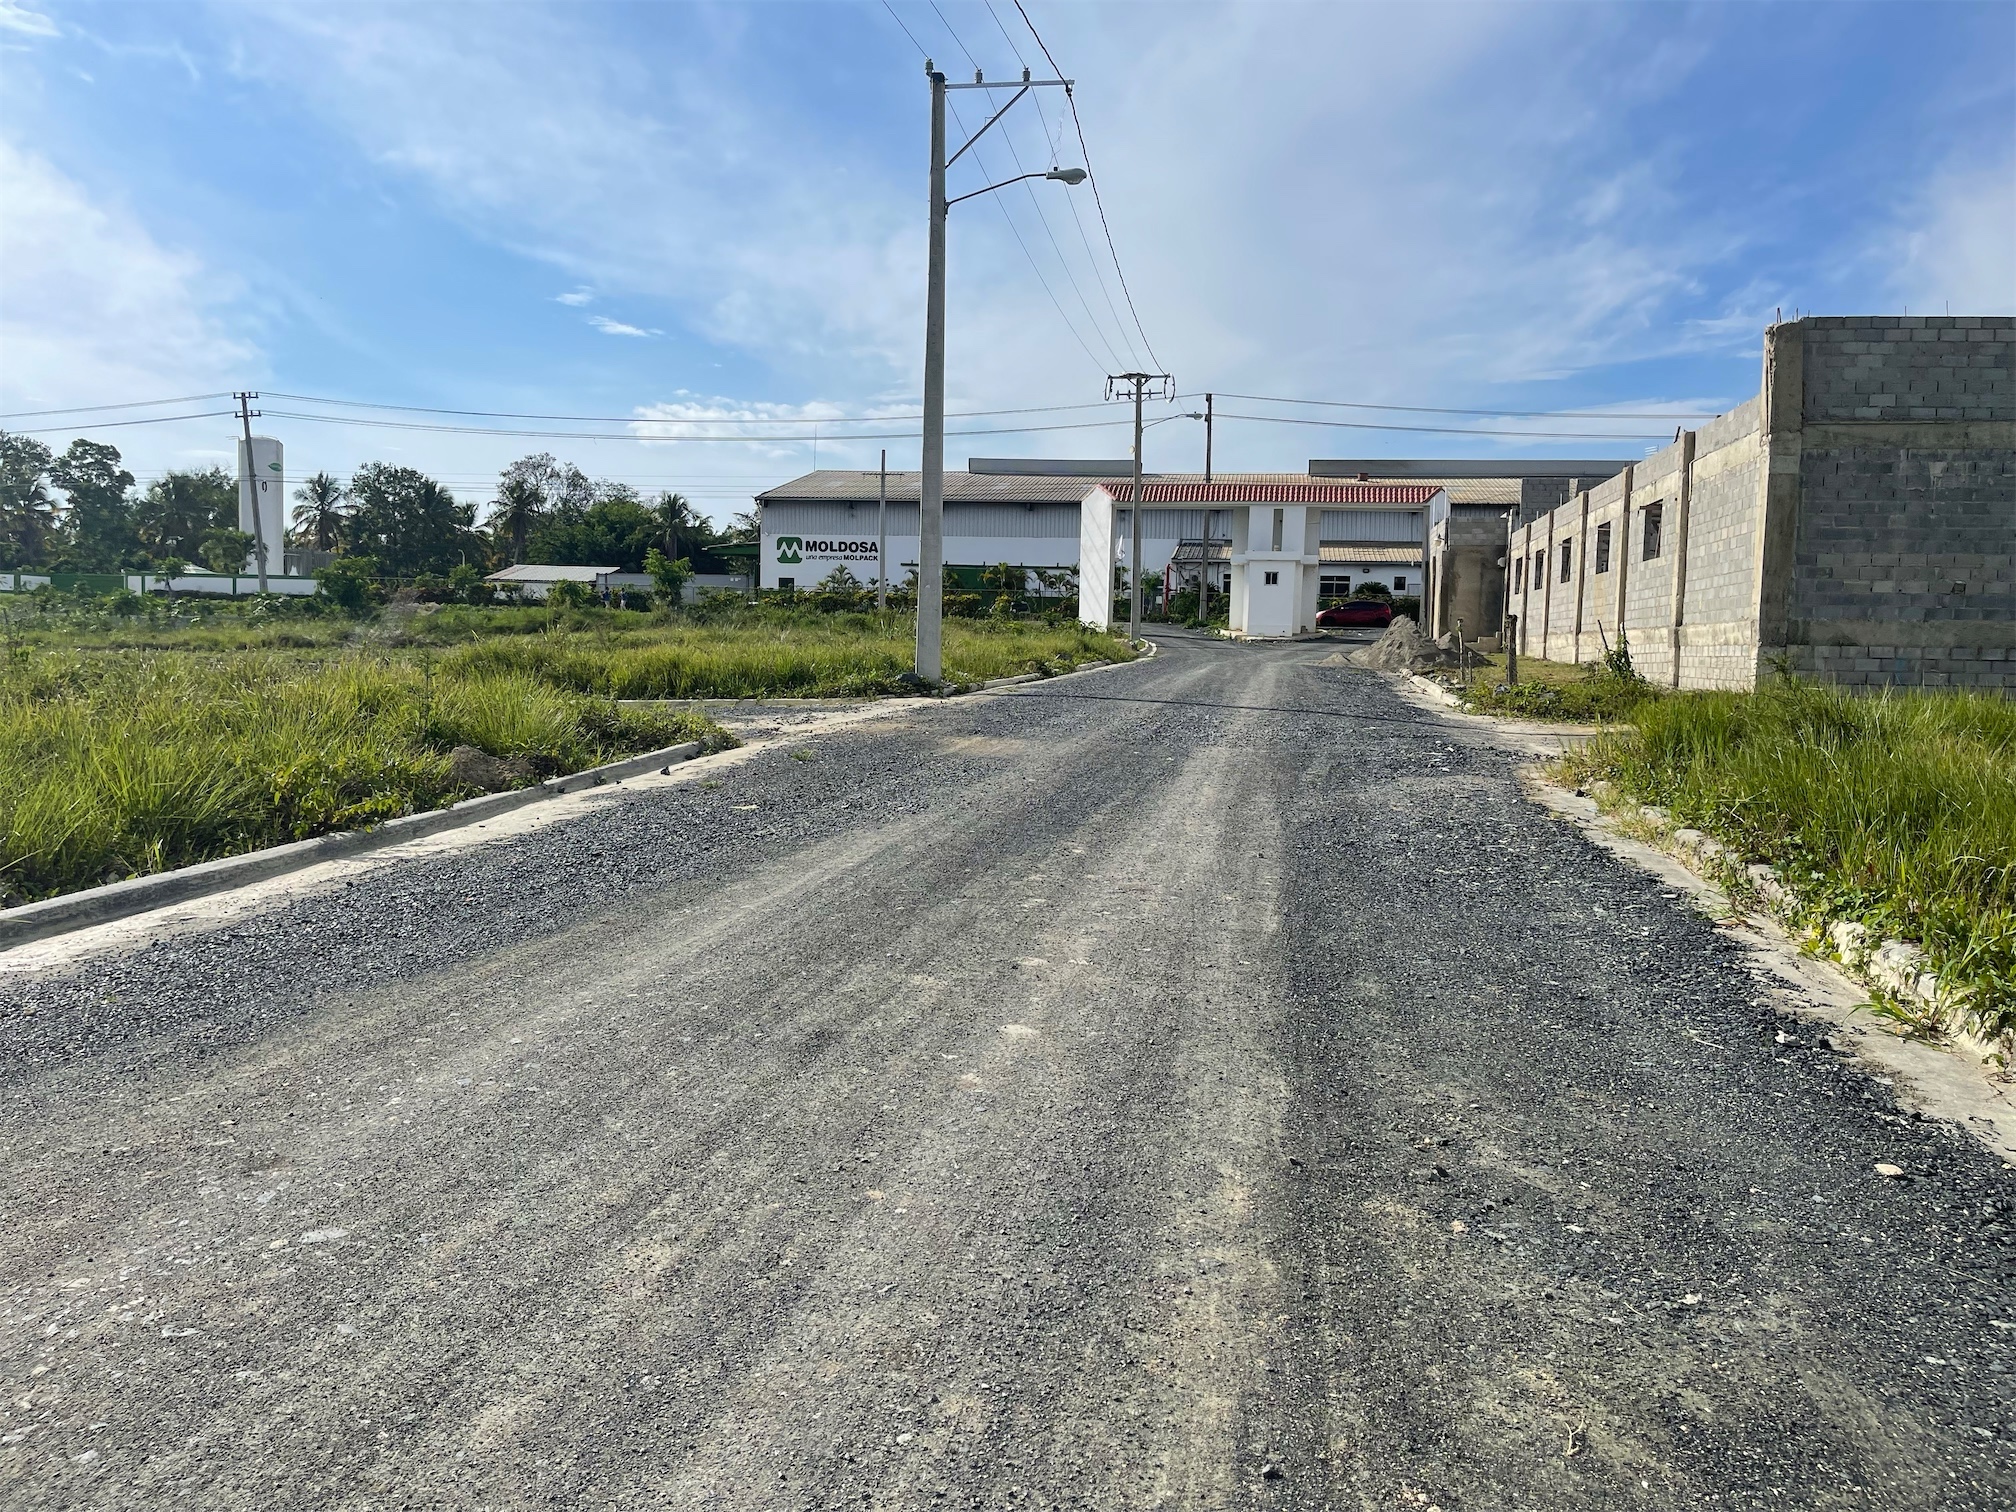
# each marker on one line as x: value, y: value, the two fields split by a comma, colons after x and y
x: 484, y: 430
x: 83, y: 409
x: 981, y: 163
x: 1443, y: 430
x: 422, y: 409
x: 1097, y: 200
x: 57, y: 430
x: 1420, y: 409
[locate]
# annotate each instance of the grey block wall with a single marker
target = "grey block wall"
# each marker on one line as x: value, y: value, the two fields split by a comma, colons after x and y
x: 1856, y: 521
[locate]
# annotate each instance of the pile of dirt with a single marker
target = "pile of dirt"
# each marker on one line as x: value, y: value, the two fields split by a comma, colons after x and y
x: 1404, y: 648
x: 479, y: 769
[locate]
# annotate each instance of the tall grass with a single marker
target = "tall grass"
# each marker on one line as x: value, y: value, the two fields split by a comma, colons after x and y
x: 826, y: 655
x: 125, y: 764
x: 1897, y: 810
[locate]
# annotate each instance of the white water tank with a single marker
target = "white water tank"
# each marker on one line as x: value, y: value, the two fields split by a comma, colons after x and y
x: 262, y: 478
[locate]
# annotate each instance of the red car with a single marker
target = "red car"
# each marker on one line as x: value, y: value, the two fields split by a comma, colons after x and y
x: 1374, y: 612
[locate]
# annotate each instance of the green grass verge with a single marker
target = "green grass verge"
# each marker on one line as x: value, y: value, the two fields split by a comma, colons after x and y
x: 119, y: 765
x: 1605, y: 692
x: 1895, y: 810
x: 804, y: 656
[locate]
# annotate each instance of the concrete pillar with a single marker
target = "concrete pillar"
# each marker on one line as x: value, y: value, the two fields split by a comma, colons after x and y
x: 1778, y: 519
x: 1620, y: 553
x: 1682, y: 507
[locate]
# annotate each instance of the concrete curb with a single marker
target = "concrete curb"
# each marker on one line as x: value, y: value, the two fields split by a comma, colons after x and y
x: 1896, y: 967
x: 119, y: 900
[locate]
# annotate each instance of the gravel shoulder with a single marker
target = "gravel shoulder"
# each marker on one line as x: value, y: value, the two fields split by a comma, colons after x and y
x: 1209, y: 1083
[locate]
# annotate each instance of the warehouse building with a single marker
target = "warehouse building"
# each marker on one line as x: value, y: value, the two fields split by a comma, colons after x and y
x: 1028, y: 514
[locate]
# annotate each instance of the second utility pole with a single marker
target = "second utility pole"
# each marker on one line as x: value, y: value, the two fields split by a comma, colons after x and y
x: 1139, y: 383
x: 251, y: 486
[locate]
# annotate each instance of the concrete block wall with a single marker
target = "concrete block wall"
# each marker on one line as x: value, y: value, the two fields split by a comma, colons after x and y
x: 1904, y: 555
x: 1856, y: 521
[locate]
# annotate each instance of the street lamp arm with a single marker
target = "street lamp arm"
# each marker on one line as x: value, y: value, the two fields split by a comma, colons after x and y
x: 992, y: 187
x: 1062, y: 175
x: 988, y: 127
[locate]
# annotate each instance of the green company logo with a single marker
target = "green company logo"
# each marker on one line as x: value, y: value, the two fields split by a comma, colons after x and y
x: 788, y: 554
x: 272, y: 467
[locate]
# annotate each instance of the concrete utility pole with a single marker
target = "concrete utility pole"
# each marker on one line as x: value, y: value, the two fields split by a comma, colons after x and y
x: 245, y: 414
x: 882, y: 537
x: 931, y: 487
x: 1138, y: 382
x: 1207, y: 445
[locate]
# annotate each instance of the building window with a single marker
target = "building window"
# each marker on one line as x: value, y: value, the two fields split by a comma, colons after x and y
x: 1334, y: 587
x: 1400, y: 583
x: 789, y: 582
x: 1654, y: 517
x: 1273, y: 578
x: 1540, y: 567
x: 1280, y: 519
x: 1566, y: 551
x: 1603, y: 547
x: 1519, y: 576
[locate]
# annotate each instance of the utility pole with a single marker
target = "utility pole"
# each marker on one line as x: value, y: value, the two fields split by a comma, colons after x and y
x: 931, y: 486
x: 882, y: 537
x: 1138, y: 383
x: 1207, y: 445
x: 245, y: 414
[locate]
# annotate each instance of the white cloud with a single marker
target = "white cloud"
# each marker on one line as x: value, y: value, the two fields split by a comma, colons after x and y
x: 574, y: 297
x: 610, y: 327
x: 93, y: 310
x: 1956, y: 243
x: 18, y: 18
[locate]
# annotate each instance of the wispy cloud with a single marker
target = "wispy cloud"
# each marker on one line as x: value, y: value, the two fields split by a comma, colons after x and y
x: 1955, y: 242
x: 610, y: 327
x: 96, y: 310
x: 18, y: 18
x: 574, y: 297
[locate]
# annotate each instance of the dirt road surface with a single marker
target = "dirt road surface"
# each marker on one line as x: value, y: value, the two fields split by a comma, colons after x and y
x: 1203, y: 1084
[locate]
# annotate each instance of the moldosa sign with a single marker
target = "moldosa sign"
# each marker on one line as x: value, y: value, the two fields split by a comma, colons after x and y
x: 792, y: 550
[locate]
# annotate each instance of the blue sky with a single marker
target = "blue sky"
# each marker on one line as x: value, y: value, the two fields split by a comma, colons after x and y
x: 715, y: 212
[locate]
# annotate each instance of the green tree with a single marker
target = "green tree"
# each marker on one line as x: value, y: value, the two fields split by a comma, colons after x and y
x: 406, y: 521
x: 614, y: 530
x: 226, y: 549
x: 322, y: 507
x: 180, y: 508
x: 100, y: 521
x: 349, y: 582
x: 678, y: 521
x: 668, y: 575
x: 28, y: 524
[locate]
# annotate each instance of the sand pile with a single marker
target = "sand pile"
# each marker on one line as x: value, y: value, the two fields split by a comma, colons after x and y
x: 1403, y: 648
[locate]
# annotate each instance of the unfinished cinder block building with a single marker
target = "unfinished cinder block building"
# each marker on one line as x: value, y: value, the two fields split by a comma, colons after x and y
x: 1856, y: 521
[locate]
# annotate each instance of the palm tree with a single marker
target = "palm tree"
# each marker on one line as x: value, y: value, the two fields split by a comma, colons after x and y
x: 517, y: 505
x: 675, y: 514
x: 320, y: 515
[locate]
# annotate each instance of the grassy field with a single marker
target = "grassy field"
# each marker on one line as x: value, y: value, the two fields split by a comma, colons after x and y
x: 141, y: 741
x: 1897, y: 810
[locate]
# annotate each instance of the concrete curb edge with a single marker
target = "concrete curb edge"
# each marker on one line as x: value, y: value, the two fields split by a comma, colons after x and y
x: 134, y: 895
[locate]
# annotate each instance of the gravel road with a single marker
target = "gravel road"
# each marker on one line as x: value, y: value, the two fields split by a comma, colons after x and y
x: 1203, y: 1084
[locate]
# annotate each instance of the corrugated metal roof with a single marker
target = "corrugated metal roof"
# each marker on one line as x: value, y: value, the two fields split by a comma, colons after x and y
x: 531, y: 572
x: 1370, y: 556
x: 1304, y: 491
x: 831, y: 485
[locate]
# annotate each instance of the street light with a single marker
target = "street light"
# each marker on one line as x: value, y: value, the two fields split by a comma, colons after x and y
x: 931, y: 486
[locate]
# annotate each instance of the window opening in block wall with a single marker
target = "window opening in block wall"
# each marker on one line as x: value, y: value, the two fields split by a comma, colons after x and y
x: 1400, y: 583
x: 1539, y: 568
x: 1603, y: 547
x: 1273, y: 578
x: 1654, y: 517
x: 1280, y: 521
x: 1566, y: 551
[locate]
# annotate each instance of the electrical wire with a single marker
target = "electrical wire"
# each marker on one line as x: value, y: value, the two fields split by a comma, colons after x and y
x: 1420, y: 409
x: 84, y: 409
x: 422, y: 409
x: 484, y: 430
x: 1443, y: 430
x: 1097, y: 200
x: 74, y: 426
